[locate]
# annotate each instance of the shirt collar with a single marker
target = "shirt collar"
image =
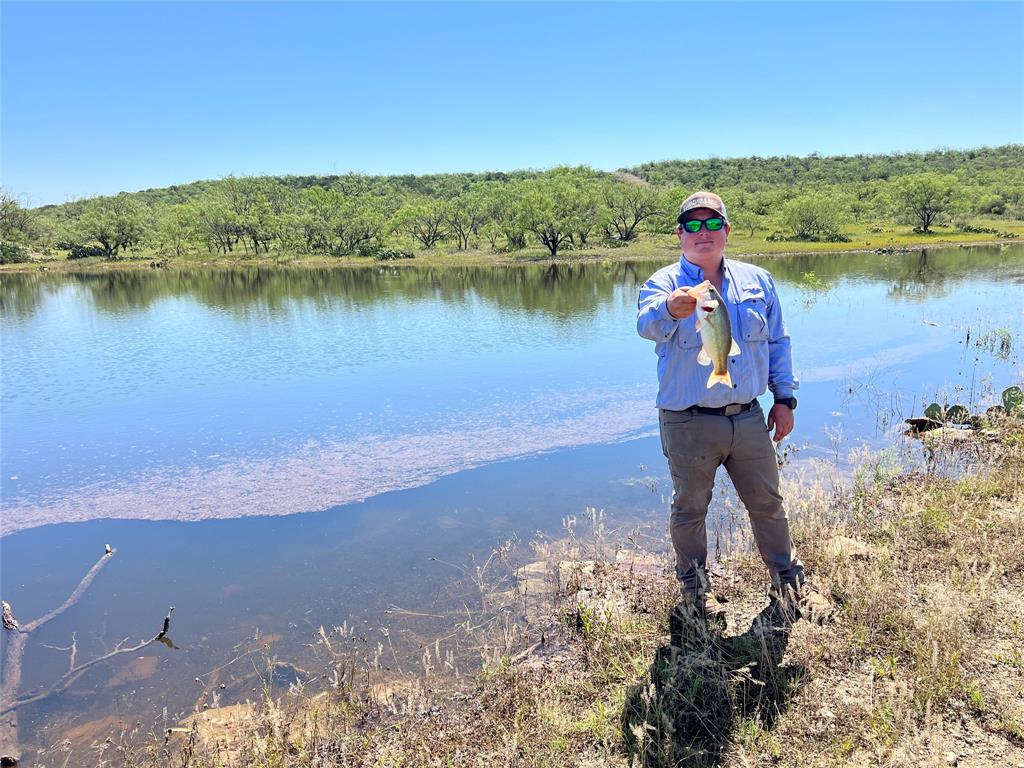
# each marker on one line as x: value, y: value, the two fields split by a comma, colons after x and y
x: 695, y: 273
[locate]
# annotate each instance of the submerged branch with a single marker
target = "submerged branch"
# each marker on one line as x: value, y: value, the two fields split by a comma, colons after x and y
x: 75, y: 596
x: 17, y: 637
x: 75, y: 672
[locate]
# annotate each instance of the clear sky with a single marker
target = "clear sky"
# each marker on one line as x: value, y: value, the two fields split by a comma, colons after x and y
x: 99, y: 98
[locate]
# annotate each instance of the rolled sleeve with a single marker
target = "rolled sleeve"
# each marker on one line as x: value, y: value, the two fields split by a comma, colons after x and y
x: 781, y: 380
x: 653, y: 320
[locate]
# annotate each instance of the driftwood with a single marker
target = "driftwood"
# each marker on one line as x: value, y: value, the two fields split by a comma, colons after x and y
x: 17, y: 638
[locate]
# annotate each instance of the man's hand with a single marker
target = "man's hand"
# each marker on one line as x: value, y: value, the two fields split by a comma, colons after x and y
x: 781, y: 418
x: 681, y: 304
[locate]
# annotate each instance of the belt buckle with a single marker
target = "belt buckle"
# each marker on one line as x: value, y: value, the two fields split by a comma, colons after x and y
x: 733, y: 409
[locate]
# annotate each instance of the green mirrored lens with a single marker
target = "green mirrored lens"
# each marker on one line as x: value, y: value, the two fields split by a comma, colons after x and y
x: 693, y: 225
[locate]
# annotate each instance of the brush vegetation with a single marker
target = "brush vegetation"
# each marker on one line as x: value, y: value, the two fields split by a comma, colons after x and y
x: 921, y: 664
x: 776, y: 204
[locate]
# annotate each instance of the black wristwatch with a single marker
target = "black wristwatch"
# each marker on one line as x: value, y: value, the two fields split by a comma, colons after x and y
x: 787, y: 401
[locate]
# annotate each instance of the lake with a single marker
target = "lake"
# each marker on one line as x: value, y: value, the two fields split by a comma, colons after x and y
x: 275, y: 450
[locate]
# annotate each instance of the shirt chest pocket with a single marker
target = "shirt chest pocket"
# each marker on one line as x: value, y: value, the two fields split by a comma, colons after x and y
x: 753, y: 314
x: 687, y: 336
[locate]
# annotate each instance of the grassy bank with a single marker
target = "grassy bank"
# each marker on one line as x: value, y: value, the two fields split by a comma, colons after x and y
x: 921, y: 664
x: 741, y: 243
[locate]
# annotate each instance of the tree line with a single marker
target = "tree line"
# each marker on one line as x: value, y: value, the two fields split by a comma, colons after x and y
x: 811, y: 198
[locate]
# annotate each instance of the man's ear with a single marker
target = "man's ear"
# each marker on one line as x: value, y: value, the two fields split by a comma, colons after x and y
x: 728, y: 229
x: 679, y: 232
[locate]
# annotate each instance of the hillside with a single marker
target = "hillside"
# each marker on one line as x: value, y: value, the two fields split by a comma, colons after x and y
x: 532, y: 213
x: 816, y: 170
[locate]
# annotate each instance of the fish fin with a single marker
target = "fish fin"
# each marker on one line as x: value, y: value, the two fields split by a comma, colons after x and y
x: 697, y: 321
x: 719, y: 378
x: 704, y: 358
x: 735, y: 348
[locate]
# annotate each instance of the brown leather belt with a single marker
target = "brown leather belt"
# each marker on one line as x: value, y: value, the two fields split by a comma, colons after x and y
x: 726, y: 410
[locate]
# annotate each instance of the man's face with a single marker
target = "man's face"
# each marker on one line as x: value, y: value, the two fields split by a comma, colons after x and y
x: 703, y: 245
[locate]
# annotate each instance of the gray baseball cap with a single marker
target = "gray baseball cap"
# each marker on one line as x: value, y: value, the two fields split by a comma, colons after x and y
x: 703, y: 200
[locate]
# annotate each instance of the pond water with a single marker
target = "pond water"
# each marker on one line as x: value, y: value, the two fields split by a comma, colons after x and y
x: 272, y: 450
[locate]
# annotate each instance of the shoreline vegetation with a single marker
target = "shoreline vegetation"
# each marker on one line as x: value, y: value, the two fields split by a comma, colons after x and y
x: 583, y: 661
x: 651, y: 248
x: 777, y: 205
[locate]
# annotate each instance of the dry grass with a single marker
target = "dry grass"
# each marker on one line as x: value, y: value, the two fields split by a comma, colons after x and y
x: 921, y: 666
x: 921, y: 654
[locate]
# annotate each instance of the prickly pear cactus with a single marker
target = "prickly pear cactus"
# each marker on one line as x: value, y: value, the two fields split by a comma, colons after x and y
x: 958, y: 414
x: 1013, y: 401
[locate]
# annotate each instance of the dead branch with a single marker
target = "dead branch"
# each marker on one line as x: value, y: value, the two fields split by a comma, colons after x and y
x: 75, y: 672
x: 74, y: 597
x: 17, y: 637
x: 9, y: 621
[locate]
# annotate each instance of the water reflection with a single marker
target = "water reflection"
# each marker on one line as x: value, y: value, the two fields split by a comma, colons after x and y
x: 924, y: 266
x: 21, y: 295
x: 923, y: 279
x: 288, y: 386
x: 558, y: 290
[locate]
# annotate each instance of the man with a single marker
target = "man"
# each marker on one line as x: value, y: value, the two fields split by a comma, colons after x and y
x: 705, y: 427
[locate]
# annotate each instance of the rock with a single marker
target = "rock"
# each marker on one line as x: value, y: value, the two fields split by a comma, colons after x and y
x: 946, y: 436
x: 918, y: 424
x: 223, y: 727
x: 95, y: 730
x: 568, y: 568
x: 839, y: 547
x: 636, y: 561
x: 533, y: 577
x: 140, y: 668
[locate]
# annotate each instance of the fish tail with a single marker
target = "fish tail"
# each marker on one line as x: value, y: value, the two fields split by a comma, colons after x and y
x: 720, y: 378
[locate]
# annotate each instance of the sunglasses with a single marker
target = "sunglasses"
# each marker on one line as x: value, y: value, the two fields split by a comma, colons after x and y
x: 693, y: 225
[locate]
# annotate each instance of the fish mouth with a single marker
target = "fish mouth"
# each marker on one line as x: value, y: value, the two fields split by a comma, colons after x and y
x: 710, y: 306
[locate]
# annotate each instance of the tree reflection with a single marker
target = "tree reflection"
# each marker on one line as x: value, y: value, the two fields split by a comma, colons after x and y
x: 556, y: 290
x: 21, y: 295
x: 921, y: 279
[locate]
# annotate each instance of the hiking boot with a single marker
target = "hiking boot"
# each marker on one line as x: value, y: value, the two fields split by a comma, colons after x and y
x: 802, y: 601
x: 706, y: 608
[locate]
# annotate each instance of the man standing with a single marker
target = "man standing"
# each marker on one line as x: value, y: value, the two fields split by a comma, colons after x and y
x: 704, y: 427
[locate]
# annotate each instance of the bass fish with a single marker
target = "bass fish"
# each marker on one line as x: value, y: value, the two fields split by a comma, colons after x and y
x: 715, y: 328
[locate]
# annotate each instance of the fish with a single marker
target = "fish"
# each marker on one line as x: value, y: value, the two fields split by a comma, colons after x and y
x: 715, y: 328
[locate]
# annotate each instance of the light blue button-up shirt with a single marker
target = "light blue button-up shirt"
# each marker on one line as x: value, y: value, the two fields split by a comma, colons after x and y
x: 765, y: 358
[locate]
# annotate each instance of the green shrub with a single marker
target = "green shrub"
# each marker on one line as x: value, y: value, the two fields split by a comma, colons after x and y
x: 971, y: 228
x: 993, y: 205
x: 79, y: 251
x: 813, y: 217
x: 383, y: 253
x: 12, y: 253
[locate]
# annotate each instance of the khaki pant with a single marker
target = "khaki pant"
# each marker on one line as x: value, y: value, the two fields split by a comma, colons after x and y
x: 695, y: 445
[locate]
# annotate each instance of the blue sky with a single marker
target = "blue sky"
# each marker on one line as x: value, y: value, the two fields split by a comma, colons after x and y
x: 99, y: 98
